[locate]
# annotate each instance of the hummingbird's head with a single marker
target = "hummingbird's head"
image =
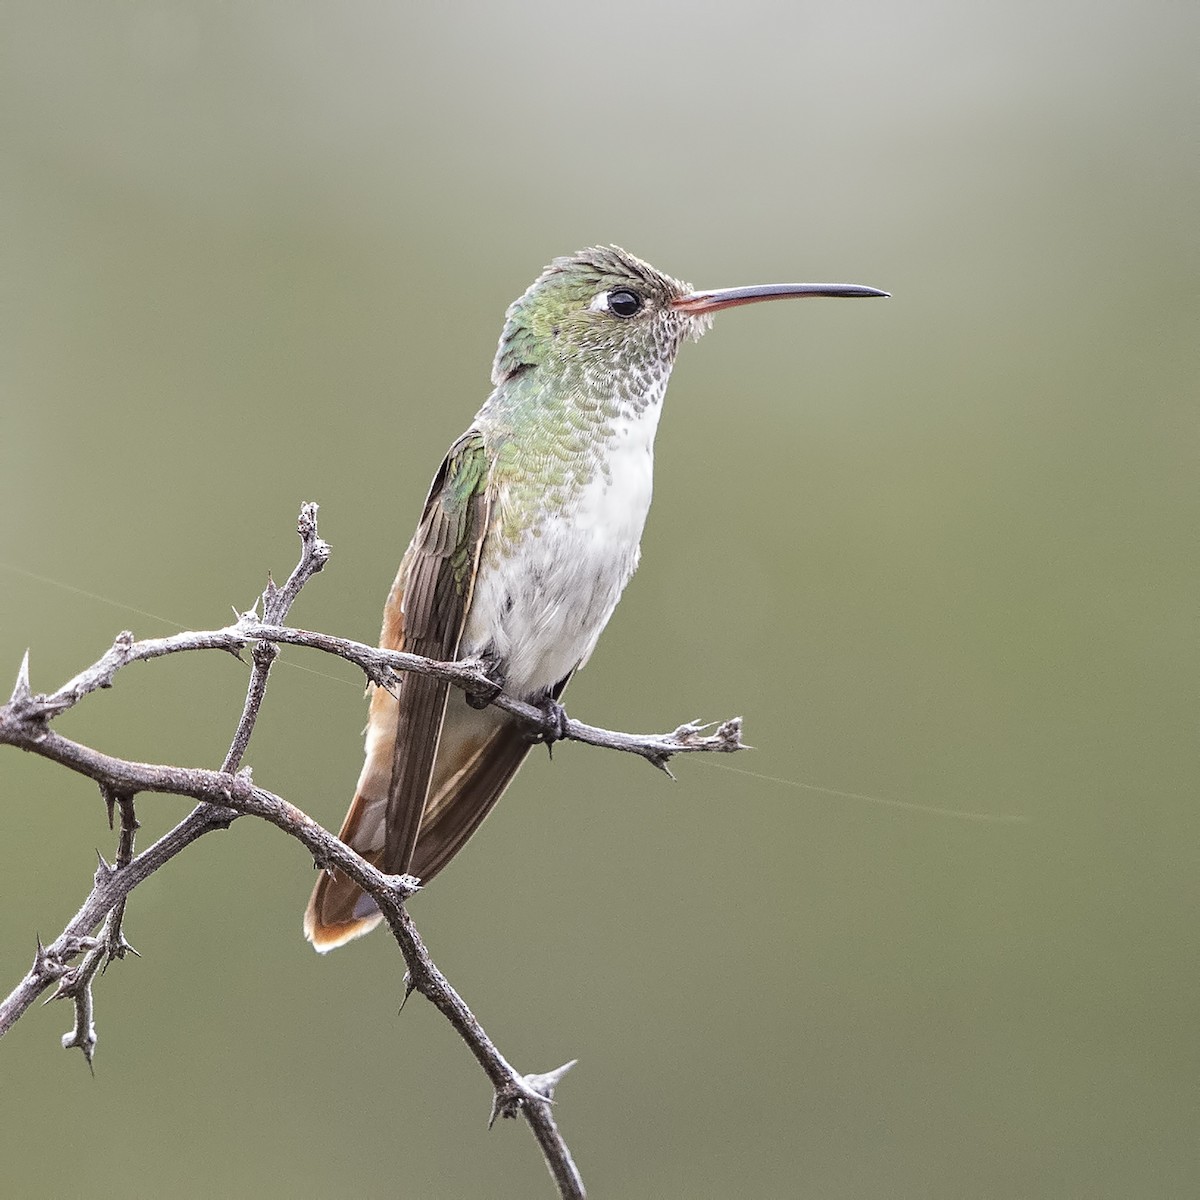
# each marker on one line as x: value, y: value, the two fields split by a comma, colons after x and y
x: 601, y: 308
x: 612, y: 316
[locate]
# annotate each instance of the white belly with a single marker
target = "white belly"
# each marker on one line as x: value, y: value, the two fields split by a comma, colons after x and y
x: 541, y: 607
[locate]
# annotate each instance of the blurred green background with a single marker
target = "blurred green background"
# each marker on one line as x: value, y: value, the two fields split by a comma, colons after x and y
x: 940, y: 550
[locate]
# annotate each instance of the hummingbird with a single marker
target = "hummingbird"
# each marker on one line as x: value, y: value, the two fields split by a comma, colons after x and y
x: 530, y: 532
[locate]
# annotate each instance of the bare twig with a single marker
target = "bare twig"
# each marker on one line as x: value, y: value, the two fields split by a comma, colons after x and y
x: 221, y: 791
x: 75, y: 983
x: 115, y: 945
x: 52, y: 962
x: 276, y: 602
x: 380, y: 667
x: 223, y: 795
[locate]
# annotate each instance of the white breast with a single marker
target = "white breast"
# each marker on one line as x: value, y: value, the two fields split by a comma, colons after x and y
x: 541, y: 608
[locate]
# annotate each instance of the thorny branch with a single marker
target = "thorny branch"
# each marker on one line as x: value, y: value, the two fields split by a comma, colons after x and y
x: 226, y: 794
x: 381, y: 667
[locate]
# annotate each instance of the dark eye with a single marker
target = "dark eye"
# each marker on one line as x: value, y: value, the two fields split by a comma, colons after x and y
x: 624, y: 304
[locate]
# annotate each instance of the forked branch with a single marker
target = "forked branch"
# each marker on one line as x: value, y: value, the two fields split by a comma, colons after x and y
x: 96, y: 931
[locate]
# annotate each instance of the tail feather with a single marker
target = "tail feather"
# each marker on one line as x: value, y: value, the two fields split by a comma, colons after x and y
x: 338, y: 911
x: 479, y: 752
x: 333, y: 915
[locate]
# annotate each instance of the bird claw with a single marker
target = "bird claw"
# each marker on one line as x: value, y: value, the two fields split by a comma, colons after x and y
x: 554, y: 723
x: 485, y: 695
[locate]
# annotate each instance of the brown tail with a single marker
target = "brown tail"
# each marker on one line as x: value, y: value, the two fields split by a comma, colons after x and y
x: 329, y: 920
x: 338, y: 912
x: 479, y: 753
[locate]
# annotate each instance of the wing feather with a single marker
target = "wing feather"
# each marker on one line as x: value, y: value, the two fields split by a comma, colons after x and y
x: 464, y: 797
x: 434, y: 767
x: 444, y: 557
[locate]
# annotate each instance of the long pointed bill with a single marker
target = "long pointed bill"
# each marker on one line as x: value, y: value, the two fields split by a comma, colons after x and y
x: 719, y: 298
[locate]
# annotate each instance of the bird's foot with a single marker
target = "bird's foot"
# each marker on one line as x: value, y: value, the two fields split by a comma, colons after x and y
x: 554, y: 723
x: 494, y: 686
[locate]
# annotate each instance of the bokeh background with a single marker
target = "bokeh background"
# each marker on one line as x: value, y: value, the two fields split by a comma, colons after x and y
x: 939, y: 550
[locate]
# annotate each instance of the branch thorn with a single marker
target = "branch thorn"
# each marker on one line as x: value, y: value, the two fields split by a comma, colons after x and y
x: 45, y: 964
x: 660, y: 761
x: 110, y: 803
x: 410, y: 986
x: 21, y: 692
x: 545, y: 1084
x: 117, y: 947
x: 508, y: 1099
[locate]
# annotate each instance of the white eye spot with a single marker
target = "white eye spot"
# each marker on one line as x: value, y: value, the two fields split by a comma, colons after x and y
x: 599, y: 303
